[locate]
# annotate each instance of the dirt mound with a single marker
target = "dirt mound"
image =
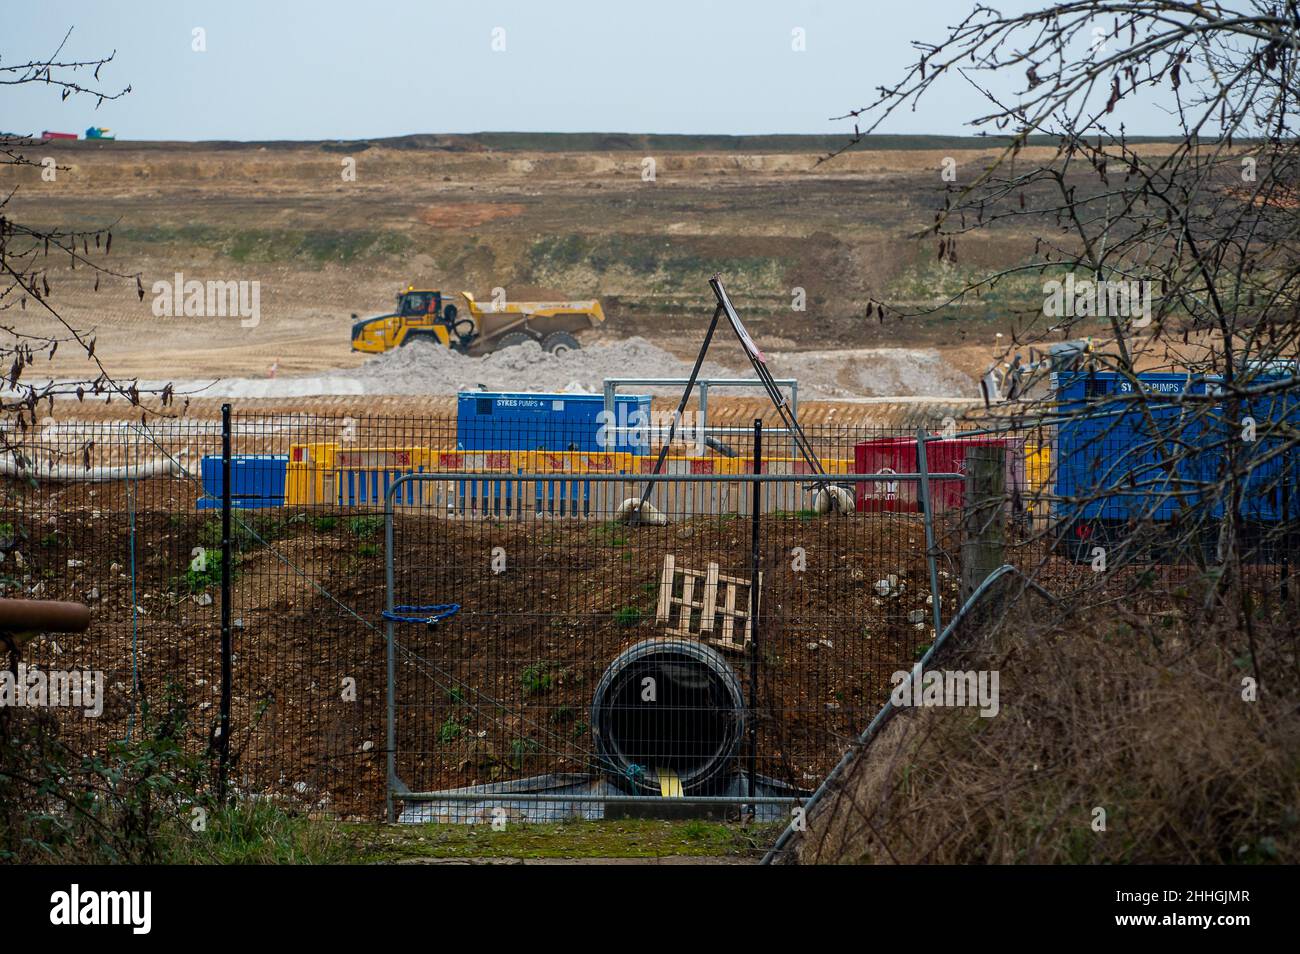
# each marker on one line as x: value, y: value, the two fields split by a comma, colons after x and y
x: 502, y: 690
x: 421, y: 368
x: 427, y: 369
x: 874, y: 372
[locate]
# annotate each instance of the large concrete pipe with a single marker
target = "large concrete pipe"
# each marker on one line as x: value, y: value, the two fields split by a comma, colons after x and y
x: 668, y: 706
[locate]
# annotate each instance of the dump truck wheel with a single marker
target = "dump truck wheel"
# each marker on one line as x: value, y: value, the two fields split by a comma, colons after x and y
x: 510, y: 339
x: 558, y: 342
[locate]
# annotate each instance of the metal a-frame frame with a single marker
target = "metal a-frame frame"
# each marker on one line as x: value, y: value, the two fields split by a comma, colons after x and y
x: 759, y: 362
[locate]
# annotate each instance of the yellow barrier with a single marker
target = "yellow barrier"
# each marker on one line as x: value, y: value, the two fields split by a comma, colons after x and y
x: 491, y: 462
x: 326, y: 473
x: 795, y: 465
x: 329, y: 474
x: 684, y: 464
x: 1038, y: 471
x: 579, y: 462
x: 305, y: 477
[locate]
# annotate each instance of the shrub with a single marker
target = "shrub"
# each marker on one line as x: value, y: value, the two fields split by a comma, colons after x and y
x: 537, y: 679
x: 366, y: 527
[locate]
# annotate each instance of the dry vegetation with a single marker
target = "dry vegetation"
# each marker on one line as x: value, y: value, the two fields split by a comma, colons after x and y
x: 1143, y: 717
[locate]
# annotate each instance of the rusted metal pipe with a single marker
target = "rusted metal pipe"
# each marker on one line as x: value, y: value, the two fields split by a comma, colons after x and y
x: 42, y: 616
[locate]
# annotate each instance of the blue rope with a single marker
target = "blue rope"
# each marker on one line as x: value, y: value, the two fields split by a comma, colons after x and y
x: 135, y: 613
x: 435, y: 613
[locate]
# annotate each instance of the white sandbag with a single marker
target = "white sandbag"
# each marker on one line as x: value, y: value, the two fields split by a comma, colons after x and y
x: 651, y: 515
x: 832, y: 498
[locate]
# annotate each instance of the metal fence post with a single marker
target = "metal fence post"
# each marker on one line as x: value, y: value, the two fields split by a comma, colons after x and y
x: 390, y: 665
x: 223, y: 740
x: 754, y: 528
x: 927, y: 509
x: 1288, y: 536
x: 703, y: 428
x: 610, y: 408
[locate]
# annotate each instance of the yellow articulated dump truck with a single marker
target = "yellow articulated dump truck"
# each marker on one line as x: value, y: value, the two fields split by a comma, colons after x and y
x: 475, y: 329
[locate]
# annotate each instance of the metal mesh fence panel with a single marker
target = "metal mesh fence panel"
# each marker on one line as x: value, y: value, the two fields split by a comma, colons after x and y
x: 725, y: 643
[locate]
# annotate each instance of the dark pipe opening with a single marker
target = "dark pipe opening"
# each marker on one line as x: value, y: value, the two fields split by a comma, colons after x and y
x: 691, y: 725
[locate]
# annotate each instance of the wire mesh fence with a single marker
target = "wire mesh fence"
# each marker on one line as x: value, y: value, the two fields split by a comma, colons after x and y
x: 723, y: 644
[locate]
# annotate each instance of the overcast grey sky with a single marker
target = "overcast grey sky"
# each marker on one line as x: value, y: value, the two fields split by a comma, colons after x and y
x: 346, y: 69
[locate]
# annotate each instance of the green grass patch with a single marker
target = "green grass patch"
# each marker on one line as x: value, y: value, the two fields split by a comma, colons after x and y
x: 257, y: 832
x: 520, y: 749
x: 669, y: 265
x: 627, y: 838
x: 795, y: 514
x: 250, y: 529
x: 628, y: 616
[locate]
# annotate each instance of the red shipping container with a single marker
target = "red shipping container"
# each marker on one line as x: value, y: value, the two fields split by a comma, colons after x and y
x: 897, y: 455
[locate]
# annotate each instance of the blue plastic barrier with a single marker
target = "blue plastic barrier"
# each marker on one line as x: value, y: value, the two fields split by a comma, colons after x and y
x: 256, y: 480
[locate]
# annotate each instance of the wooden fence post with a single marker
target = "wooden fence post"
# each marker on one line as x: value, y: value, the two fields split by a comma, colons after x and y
x: 982, y: 537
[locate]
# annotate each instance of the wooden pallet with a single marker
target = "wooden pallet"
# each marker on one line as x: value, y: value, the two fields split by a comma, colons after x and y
x: 705, y: 605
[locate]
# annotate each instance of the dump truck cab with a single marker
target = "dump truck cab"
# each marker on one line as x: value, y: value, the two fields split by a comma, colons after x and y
x: 428, y: 314
x: 474, y: 328
x: 420, y: 315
